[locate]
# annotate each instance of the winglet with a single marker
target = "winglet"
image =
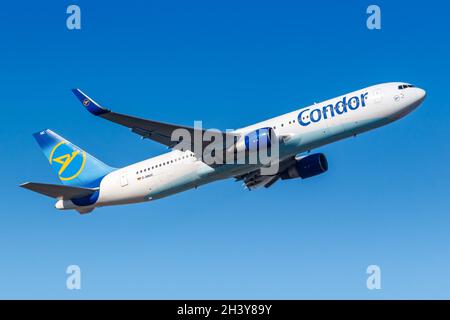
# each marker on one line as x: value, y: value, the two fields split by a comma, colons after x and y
x: 92, y: 106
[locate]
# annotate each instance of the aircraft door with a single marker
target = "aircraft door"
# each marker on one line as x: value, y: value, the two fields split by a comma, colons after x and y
x: 123, y: 179
x: 378, y: 94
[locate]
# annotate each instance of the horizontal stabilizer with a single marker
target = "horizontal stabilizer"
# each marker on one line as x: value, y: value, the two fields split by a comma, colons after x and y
x: 59, y: 191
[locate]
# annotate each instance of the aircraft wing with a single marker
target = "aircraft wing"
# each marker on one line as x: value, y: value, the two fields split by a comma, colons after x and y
x: 158, y: 131
x: 59, y: 191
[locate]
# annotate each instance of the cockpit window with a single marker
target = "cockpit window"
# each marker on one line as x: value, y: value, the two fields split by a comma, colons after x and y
x: 404, y: 86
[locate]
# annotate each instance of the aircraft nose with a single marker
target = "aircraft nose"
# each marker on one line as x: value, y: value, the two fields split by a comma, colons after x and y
x: 416, y: 98
x: 421, y: 94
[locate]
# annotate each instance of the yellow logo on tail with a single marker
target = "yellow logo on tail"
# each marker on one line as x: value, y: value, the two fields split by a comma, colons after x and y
x: 66, y: 159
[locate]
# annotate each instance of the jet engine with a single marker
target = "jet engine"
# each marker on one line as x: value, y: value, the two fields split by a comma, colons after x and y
x: 259, y: 139
x: 306, y: 167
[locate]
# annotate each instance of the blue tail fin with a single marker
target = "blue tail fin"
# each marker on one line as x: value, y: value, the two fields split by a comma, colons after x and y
x: 74, y: 166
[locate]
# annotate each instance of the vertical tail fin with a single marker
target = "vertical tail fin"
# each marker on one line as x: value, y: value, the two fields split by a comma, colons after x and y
x: 74, y: 166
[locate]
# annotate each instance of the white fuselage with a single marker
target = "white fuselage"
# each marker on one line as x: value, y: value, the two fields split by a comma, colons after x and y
x: 303, y: 129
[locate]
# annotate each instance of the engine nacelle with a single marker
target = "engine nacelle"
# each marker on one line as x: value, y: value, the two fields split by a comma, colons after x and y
x: 256, y: 140
x: 306, y: 167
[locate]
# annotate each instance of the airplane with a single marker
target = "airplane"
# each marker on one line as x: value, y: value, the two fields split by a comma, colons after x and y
x: 88, y: 183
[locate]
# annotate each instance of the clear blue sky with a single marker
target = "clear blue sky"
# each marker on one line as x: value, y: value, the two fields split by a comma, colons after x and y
x: 384, y: 200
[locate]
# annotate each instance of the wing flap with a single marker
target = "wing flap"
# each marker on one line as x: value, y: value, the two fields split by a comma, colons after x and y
x: 254, y: 179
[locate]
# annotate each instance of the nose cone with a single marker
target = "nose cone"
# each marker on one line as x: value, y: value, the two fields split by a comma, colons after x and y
x: 416, y: 98
x: 407, y: 98
x: 421, y: 94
